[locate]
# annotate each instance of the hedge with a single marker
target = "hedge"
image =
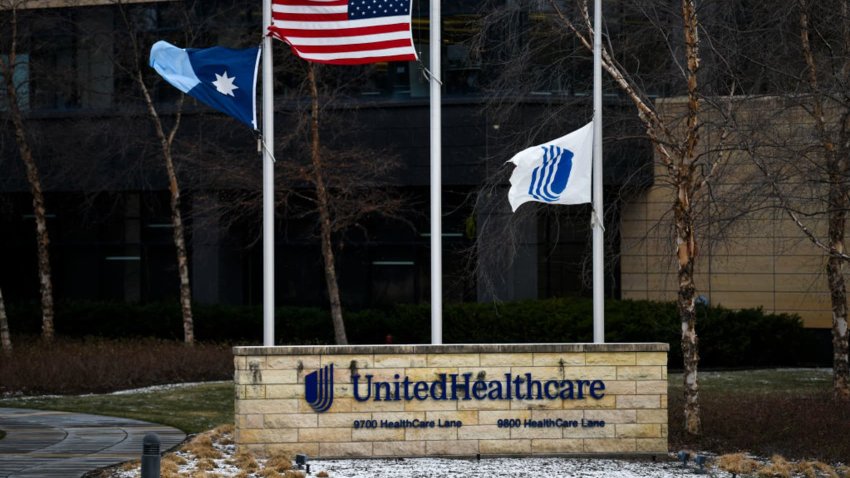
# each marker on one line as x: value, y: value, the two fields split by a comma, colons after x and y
x: 745, y: 338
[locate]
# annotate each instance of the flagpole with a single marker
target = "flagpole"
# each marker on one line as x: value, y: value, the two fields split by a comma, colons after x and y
x: 436, y: 175
x: 268, y: 180
x: 598, y: 211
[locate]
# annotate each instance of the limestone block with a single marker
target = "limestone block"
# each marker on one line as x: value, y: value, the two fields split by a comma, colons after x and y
x: 608, y: 401
x: 598, y: 372
x: 485, y: 373
x: 453, y: 360
x: 267, y: 406
x: 536, y: 404
x: 507, y: 360
x: 651, y: 445
x: 430, y: 434
x: 608, y: 431
x: 428, y: 374
x: 610, y: 358
x: 377, y: 434
x: 621, y: 387
x: 555, y: 414
x: 484, y: 404
x: 652, y: 416
x: 284, y: 391
x: 505, y: 447
x: 240, y: 362
x: 346, y: 361
x: 488, y: 417
x: 651, y: 358
x: 530, y: 432
x: 643, y: 430
x: 306, y: 363
x: 651, y: 387
x: 399, y: 448
x: 613, y: 416
x: 641, y: 372
x: 340, y: 405
x: 556, y: 446
x: 483, y: 432
x: 341, y: 420
x: 545, y: 359
x: 253, y: 435
x: 467, y: 417
x: 429, y: 405
x: 345, y: 450
x: 451, y: 448
x: 290, y: 449
x: 291, y: 420
x: 540, y: 373
x: 382, y: 406
x: 249, y: 421
x: 325, y: 435
x: 640, y: 401
x: 279, y: 376
x: 400, y: 361
x: 610, y: 445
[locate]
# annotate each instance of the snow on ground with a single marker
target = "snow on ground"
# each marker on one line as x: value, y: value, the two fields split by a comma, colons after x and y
x: 185, y: 463
x: 492, y: 467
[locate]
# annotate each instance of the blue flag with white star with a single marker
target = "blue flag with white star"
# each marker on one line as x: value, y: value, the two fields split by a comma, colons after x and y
x: 222, y: 78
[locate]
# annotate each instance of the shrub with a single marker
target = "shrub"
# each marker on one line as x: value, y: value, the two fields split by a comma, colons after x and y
x: 745, y: 338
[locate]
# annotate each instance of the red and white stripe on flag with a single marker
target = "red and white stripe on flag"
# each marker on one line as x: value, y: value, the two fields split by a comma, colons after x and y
x: 345, y: 32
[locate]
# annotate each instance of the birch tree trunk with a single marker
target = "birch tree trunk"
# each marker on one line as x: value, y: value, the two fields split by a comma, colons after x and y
x: 324, y: 214
x: 33, y: 178
x: 5, y: 337
x: 686, y: 246
x: 836, y: 169
x: 166, y: 141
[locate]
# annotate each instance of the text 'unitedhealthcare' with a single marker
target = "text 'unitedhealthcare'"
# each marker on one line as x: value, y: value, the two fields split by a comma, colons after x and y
x: 462, y: 387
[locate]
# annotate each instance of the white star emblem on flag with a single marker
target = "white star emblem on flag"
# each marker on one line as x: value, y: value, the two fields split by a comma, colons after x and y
x: 224, y: 85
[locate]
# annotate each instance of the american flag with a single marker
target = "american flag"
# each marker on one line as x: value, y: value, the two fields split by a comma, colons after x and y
x: 345, y: 32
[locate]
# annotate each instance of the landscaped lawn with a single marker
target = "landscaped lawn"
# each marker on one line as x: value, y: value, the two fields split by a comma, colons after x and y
x: 192, y: 408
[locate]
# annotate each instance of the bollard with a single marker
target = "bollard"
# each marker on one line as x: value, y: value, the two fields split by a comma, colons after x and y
x: 150, y: 456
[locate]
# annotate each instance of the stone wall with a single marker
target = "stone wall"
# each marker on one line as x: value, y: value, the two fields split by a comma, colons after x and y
x: 628, y: 417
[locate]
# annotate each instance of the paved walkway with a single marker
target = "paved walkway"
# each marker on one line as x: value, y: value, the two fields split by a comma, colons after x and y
x: 49, y: 444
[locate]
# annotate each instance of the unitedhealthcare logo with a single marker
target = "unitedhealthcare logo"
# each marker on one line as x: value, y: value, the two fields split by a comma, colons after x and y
x: 319, y: 388
x: 550, y: 179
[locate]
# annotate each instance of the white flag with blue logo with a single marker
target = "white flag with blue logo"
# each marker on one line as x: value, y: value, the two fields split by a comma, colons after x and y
x: 557, y: 172
x: 222, y: 78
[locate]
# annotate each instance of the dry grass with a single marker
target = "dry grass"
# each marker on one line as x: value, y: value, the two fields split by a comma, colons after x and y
x: 168, y: 467
x: 322, y: 474
x: 201, y: 447
x: 245, y: 461
x: 737, y: 464
x: 130, y: 465
x: 799, y: 425
x: 279, y: 463
x: 816, y: 469
x: 269, y: 473
x: 779, y: 467
x: 294, y: 474
x: 96, y: 365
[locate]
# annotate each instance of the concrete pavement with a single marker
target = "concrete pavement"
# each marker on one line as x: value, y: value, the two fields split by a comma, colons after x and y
x: 48, y: 444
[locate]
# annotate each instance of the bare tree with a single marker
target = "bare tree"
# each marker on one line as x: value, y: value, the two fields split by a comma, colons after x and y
x: 807, y: 166
x: 322, y: 202
x: 836, y: 152
x: 165, y: 135
x: 649, y: 48
x: 5, y: 337
x: 8, y: 65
